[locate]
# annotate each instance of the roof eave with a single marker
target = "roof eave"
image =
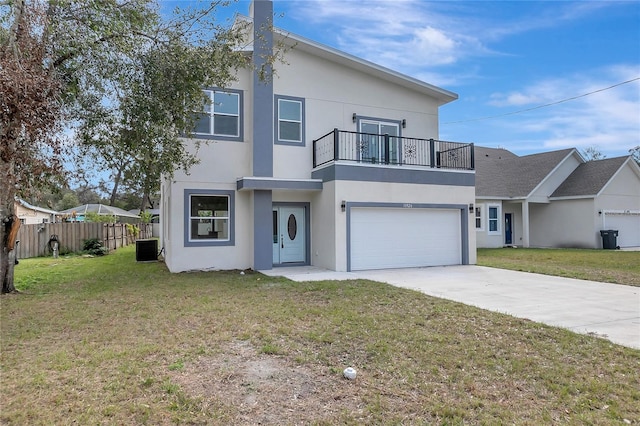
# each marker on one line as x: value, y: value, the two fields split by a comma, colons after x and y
x: 572, y: 197
x: 343, y: 58
x: 292, y: 40
x: 498, y: 198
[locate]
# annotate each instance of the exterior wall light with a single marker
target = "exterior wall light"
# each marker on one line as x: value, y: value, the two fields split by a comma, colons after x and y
x: 471, y: 208
x: 343, y: 206
x: 354, y: 117
x: 404, y: 123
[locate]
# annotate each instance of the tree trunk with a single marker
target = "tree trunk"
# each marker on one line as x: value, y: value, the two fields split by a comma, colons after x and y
x: 10, y: 231
x: 116, y: 184
x: 9, y: 134
x: 9, y: 223
x: 143, y: 201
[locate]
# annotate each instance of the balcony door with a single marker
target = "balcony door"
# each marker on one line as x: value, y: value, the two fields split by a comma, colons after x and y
x: 372, y: 146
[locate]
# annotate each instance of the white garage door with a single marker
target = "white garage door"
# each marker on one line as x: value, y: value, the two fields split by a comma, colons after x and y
x: 383, y: 238
x: 628, y: 226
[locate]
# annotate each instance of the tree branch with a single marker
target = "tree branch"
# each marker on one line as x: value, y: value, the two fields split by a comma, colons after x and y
x: 62, y: 59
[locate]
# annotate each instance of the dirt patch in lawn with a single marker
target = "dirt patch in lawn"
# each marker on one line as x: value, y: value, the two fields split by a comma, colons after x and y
x: 269, y: 389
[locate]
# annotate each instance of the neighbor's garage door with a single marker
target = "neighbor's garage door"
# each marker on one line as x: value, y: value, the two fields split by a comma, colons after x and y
x: 628, y: 226
x: 384, y: 238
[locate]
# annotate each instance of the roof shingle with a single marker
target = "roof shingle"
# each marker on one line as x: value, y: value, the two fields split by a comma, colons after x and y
x: 500, y: 173
x: 589, y: 178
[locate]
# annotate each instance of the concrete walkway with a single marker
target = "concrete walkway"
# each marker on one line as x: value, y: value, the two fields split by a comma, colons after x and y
x: 609, y: 311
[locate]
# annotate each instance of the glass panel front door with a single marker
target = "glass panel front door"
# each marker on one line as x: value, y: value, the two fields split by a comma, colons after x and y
x: 289, y: 235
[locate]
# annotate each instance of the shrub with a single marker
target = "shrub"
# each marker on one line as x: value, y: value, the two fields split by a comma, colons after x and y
x: 99, y: 218
x: 145, y: 216
x: 94, y: 246
x: 133, y: 229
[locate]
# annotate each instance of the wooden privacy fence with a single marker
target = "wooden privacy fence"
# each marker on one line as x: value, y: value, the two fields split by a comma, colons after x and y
x: 34, y: 239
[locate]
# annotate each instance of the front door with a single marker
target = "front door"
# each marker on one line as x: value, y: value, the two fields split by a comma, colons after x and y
x: 508, y: 228
x: 373, y: 146
x: 289, y: 231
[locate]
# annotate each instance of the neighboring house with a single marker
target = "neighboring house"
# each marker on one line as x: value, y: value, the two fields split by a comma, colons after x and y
x: 77, y: 214
x: 30, y: 214
x: 555, y: 199
x: 155, y: 214
x: 334, y: 163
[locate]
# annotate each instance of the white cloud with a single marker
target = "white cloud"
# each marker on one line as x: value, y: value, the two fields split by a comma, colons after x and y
x: 608, y: 120
x: 436, y: 44
x: 408, y: 35
x: 446, y: 43
x: 413, y: 35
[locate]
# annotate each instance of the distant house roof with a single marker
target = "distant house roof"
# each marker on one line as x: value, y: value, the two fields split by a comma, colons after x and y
x: 24, y: 204
x: 100, y: 209
x: 503, y: 174
x: 152, y: 211
x: 589, y: 178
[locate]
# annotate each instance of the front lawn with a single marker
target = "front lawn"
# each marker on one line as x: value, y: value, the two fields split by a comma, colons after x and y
x: 613, y: 266
x: 111, y: 341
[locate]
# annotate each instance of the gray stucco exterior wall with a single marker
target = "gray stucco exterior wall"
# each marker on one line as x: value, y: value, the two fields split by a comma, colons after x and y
x: 262, y: 230
x: 262, y: 133
x: 397, y: 175
x: 262, y: 89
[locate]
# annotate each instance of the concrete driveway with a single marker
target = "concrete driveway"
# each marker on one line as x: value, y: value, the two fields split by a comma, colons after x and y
x: 609, y: 311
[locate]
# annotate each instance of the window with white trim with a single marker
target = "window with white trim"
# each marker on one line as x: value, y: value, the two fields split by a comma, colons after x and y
x: 289, y: 120
x: 478, y: 217
x: 209, y: 217
x: 493, y: 220
x: 221, y: 116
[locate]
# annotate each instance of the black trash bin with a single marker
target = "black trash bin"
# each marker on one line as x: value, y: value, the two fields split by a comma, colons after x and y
x: 146, y: 250
x: 609, y: 239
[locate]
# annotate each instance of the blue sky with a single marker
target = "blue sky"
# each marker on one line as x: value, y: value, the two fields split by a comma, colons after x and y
x: 500, y: 58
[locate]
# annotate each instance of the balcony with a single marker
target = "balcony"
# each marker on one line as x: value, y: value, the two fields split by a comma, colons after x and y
x: 367, y: 148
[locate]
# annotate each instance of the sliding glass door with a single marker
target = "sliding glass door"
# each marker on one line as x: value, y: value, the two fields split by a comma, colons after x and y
x: 372, y: 142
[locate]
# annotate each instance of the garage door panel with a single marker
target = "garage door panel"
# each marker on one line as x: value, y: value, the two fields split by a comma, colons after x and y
x: 628, y: 226
x: 400, y: 238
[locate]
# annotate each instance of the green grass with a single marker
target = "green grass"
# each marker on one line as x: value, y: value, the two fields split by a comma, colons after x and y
x: 111, y: 341
x: 613, y: 266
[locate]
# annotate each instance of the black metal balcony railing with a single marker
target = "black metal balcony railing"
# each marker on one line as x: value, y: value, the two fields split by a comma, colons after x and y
x: 341, y: 145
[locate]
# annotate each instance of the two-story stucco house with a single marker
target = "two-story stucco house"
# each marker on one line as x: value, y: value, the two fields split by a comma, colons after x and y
x: 335, y: 162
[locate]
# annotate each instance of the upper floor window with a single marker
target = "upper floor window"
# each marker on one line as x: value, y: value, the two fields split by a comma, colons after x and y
x: 289, y: 120
x: 221, y: 117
